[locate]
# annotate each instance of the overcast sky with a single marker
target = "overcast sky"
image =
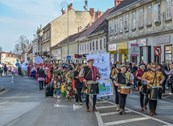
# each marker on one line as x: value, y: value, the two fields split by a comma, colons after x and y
x: 22, y: 17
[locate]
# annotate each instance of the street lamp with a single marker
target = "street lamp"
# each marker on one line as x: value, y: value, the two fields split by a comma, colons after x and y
x: 62, y: 5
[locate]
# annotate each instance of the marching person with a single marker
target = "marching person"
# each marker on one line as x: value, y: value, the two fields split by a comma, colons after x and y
x: 123, y: 79
x: 141, y: 86
x: 114, y: 71
x: 153, y: 78
x: 41, y: 77
x: 89, y: 73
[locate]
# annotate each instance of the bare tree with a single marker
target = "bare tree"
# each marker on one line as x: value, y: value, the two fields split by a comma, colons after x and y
x: 0, y: 49
x: 22, y: 44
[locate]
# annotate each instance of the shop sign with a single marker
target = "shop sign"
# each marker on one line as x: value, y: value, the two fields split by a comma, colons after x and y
x: 123, y: 51
x: 143, y: 42
x: 134, y: 50
x: 112, y: 47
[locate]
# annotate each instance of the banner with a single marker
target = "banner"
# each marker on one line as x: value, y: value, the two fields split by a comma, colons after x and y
x: 38, y: 60
x: 102, y: 62
x: 134, y: 50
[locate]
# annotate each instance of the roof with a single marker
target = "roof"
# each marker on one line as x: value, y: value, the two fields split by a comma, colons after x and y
x: 71, y: 38
x: 124, y: 3
x: 97, y: 23
x: 103, y: 26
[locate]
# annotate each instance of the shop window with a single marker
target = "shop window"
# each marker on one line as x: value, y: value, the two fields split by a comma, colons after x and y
x: 134, y: 59
x: 96, y: 45
x: 149, y: 54
x: 100, y: 44
x: 168, y: 53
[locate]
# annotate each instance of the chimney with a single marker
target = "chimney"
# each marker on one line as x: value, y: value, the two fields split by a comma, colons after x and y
x: 117, y: 2
x: 97, y: 15
x: 70, y: 7
x: 63, y: 11
x: 92, y: 12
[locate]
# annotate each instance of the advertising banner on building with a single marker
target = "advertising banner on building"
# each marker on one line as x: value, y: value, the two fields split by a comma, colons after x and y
x: 134, y: 50
x: 102, y: 62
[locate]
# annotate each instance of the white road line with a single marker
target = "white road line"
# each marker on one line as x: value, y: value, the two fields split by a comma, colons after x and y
x: 158, y: 120
x: 126, y: 121
x: 100, y: 102
x: 99, y: 119
x: 102, y: 107
x: 111, y: 113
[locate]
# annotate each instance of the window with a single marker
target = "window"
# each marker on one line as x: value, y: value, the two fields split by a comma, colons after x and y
x: 141, y: 18
x: 168, y: 9
x: 96, y: 45
x: 156, y: 13
x: 105, y: 44
x: 149, y: 15
x: 101, y: 44
x: 116, y: 26
x: 126, y: 22
x: 168, y: 53
x: 90, y: 46
x: 111, y: 28
x: 121, y: 24
x: 133, y: 20
x: 93, y: 46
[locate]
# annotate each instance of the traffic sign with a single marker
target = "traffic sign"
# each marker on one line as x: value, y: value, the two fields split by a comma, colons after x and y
x: 68, y: 58
x: 157, y: 50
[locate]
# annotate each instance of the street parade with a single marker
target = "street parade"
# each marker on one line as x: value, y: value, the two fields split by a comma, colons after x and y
x: 86, y: 63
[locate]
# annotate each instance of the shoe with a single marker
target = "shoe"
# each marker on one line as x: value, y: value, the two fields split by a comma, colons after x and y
x: 151, y: 113
x: 118, y: 108
x: 80, y: 103
x: 142, y: 109
x: 94, y: 109
x: 87, y: 109
x: 170, y: 93
x: 145, y: 107
x: 121, y: 112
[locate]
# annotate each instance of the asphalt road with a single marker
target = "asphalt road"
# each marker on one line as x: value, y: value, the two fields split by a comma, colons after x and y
x: 23, y: 104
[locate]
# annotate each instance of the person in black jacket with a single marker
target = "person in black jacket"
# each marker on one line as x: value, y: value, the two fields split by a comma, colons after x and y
x: 41, y: 77
x: 77, y: 86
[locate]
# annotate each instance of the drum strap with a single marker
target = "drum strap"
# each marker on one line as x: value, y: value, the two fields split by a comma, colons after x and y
x: 155, y: 78
x: 128, y: 80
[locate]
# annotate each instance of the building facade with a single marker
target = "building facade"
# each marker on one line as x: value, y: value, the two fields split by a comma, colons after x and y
x: 141, y: 31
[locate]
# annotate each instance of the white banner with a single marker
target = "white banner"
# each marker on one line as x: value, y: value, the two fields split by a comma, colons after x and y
x: 102, y: 62
x: 38, y: 60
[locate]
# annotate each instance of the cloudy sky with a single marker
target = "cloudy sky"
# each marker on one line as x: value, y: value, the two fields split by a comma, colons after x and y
x: 22, y: 17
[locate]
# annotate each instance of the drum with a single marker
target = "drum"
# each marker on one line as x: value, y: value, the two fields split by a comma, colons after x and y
x: 125, y: 90
x: 154, y: 92
x: 92, y: 87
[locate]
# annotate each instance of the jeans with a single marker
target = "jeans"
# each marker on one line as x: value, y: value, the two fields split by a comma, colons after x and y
x: 142, y: 96
x: 116, y: 95
x: 122, y: 100
x: 57, y: 91
x: 78, y: 95
x: 41, y: 85
x: 94, y: 100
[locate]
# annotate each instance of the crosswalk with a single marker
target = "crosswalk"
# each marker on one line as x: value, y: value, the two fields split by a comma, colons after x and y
x: 108, y: 116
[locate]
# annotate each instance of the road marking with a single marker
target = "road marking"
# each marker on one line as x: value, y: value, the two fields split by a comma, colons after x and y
x: 75, y: 107
x: 158, y: 120
x: 102, y: 107
x: 99, y: 119
x: 126, y: 121
x: 16, y: 97
x: 111, y: 113
x: 100, y: 102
